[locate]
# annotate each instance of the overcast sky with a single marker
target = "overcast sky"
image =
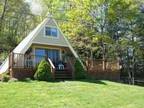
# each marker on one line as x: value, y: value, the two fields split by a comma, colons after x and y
x: 35, y: 6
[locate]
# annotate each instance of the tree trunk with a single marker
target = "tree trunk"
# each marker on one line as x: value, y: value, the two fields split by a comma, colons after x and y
x: 3, y: 15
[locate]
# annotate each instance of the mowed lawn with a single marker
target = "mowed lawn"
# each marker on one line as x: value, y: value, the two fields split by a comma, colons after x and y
x: 70, y: 94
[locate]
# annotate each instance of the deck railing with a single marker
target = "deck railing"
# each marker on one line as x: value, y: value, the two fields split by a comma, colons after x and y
x: 30, y: 61
x: 17, y: 60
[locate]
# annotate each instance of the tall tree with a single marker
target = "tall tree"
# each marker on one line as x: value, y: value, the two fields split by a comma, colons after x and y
x: 16, y: 21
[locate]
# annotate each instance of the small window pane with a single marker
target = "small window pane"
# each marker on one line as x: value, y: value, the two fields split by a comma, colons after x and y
x: 54, y: 32
x: 40, y: 54
x: 51, y: 31
x: 48, y: 31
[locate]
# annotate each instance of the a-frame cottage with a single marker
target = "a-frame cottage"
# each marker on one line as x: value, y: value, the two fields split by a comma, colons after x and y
x: 45, y: 41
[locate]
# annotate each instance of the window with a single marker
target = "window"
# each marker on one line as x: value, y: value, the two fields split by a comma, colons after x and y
x: 51, y: 31
x: 40, y: 54
x: 53, y: 54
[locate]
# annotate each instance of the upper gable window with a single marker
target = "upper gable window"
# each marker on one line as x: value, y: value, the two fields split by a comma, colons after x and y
x: 50, y: 31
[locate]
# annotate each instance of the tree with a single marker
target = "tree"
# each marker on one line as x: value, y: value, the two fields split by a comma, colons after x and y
x: 16, y: 21
x: 43, y: 72
x: 80, y: 73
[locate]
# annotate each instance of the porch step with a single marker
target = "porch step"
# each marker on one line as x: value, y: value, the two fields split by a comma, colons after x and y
x: 63, y: 75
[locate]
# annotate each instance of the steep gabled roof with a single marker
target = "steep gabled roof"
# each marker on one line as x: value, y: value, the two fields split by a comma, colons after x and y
x: 27, y: 41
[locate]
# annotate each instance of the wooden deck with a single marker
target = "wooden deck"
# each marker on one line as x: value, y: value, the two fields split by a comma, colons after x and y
x: 24, y: 66
x: 22, y: 73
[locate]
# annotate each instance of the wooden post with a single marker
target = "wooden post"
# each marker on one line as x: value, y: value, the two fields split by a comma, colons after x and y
x: 11, y: 62
x: 12, y: 59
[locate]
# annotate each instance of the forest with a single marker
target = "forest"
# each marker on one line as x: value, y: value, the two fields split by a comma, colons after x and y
x: 97, y: 29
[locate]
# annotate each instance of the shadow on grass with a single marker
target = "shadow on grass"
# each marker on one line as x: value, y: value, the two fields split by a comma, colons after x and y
x: 84, y: 80
x: 28, y: 80
x: 31, y: 80
x: 92, y: 81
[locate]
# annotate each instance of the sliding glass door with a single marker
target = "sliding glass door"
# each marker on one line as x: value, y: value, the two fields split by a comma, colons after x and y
x: 39, y: 55
x: 53, y: 54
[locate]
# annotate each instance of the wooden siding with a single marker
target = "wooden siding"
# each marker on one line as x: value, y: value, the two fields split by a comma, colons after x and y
x: 22, y: 73
x: 41, y: 38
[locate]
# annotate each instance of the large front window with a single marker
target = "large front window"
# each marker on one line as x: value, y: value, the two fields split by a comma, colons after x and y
x: 53, y: 54
x: 52, y: 32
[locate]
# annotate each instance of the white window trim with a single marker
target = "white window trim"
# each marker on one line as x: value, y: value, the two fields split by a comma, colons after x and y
x: 51, y: 37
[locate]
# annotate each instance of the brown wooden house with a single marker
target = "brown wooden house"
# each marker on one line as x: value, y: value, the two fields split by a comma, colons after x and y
x: 46, y: 41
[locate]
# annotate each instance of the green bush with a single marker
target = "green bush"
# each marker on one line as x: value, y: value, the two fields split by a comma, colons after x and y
x: 28, y: 79
x: 5, y: 78
x: 80, y: 73
x: 43, y: 72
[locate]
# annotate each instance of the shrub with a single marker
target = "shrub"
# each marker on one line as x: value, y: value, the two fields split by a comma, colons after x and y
x: 5, y: 78
x: 43, y: 72
x: 80, y: 73
x: 28, y: 79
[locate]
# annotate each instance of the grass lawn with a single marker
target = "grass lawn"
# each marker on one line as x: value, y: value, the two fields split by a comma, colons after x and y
x: 70, y: 94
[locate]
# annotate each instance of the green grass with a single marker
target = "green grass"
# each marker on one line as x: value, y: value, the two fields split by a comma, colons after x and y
x: 70, y: 94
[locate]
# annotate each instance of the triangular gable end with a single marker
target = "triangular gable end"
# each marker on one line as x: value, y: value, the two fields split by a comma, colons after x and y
x: 52, y: 22
x: 27, y: 42
x: 41, y: 38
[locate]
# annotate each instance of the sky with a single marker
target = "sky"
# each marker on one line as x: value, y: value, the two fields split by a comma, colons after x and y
x: 35, y: 6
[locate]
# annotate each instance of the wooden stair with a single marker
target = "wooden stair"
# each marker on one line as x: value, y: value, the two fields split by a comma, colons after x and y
x: 63, y: 75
